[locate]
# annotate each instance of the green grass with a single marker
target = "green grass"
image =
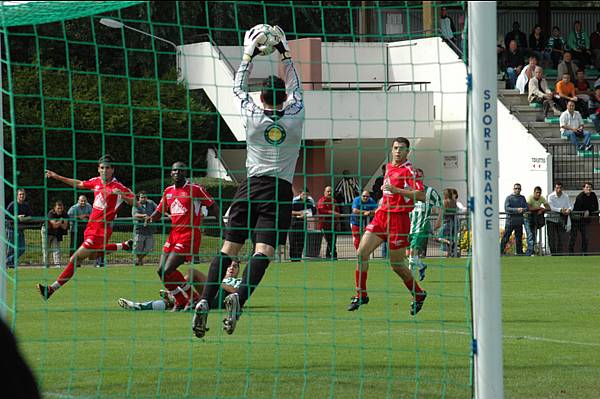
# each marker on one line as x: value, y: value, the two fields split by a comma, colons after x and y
x: 296, y: 339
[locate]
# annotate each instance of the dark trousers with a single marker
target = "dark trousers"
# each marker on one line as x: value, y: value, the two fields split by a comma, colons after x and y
x: 297, y: 235
x: 555, y: 232
x: 330, y: 238
x: 76, y: 236
x: 582, y: 227
x: 508, y: 230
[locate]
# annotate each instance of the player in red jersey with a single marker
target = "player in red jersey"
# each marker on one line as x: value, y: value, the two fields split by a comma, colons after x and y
x: 392, y: 224
x: 184, y: 201
x: 109, y: 194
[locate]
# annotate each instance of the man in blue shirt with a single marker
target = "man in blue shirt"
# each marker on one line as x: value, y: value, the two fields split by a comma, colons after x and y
x: 363, y: 207
x: 515, y: 207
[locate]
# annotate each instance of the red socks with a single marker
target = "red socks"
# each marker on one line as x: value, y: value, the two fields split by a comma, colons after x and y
x: 66, y: 274
x: 361, y: 283
x: 413, y: 286
x: 180, y: 289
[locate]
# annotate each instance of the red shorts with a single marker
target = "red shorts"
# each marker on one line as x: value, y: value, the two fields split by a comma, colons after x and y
x: 392, y: 227
x: 187, y: 243
x: 356, y: 234
x: 95, y: 238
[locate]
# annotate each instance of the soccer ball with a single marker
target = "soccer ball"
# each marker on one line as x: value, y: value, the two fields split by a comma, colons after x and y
x: 267, y: 40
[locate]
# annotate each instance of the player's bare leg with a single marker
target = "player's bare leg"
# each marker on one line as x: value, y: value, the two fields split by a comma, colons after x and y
x: 400, y: 267
x: 174, y: 280
x: 368, y: 244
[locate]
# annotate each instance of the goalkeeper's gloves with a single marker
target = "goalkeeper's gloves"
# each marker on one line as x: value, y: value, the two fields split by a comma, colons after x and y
x: 250, y: 42
x: 282, y: 46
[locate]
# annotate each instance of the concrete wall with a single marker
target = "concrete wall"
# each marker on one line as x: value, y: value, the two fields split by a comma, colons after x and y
x: 520, y: 156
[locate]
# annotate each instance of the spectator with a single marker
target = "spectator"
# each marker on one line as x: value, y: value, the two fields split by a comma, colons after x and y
x: 461, y: 208
x: 500, y: 50
x: 143, y: 235
x: 558, y: 219
x: 303, y: 207
x: 329, y: 215
x: 537, y: 206
x: 555, y: 47
x: 447, y: 26
x: 52, y: 235
x: 571, y: 126
x: 568, y: 66
x: 363, y: 208
x: 537, y: 45
x: 79, y: 215
x: 594, y: 109
x: 586, y: 203
x: 526, y: 74
x: 513, y: 64
x: 595, y: 46
x: 565, y: 92
x: 516, y: 208
x: 541, y: 94
x: 377, y: 193
x: 345, y: 192
x: 579, y: 44
x: 449, y: 231
x: 22, y: 212
x: 582, y: 88
x: 519, y: 37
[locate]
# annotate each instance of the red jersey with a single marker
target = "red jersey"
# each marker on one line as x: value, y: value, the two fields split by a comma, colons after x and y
x: 404, y: 177
x: 106, y: 204
x: 325, y: 207
x: 185, y: 206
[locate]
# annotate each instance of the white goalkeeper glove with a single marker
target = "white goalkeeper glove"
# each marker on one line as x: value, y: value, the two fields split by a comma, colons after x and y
x: 250, y: 43
x: 282, y: 46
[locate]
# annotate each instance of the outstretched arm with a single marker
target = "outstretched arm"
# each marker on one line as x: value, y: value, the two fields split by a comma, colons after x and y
x: 66, y: 180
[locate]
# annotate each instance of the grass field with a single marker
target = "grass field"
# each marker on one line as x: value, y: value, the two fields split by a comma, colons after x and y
x: 296, y: 339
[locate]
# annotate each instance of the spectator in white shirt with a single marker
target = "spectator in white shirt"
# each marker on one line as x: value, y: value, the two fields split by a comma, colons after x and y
x: 557, y: 219
x: 571, y: 126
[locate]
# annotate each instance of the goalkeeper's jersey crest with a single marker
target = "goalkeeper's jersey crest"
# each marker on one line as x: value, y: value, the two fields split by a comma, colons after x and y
x: 419, y: 217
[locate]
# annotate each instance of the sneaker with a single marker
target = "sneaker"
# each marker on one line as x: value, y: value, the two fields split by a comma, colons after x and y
x: 45, y: 291
x: 232, y: 305
x: 127, y: 304
x: 127, y: 245
x: 200, y: 319
x: 415, y: 306
x: 580, y: 148
x: 422, y: 269
x: 167, y: 297
x: 589, y: 147
x: 356, y: 302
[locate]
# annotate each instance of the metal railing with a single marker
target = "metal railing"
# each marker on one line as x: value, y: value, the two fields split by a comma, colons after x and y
x: 367, y: 85
x: 574, y: 168
x: 313, y: 243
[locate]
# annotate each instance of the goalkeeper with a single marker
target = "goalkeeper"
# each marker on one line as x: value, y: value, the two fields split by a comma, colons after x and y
x: 262, y: 205
x: 420, y: 226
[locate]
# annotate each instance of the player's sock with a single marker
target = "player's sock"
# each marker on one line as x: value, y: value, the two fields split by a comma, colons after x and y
x: 216, y: 272
x: 361, y: 283
x: 253, y: 274
x: 173, y: 282
x: 64, y: 277
x: 413, y: 287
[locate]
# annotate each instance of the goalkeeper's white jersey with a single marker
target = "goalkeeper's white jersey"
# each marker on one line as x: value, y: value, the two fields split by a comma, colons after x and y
x: 272, y: 137
x: 419, y: 217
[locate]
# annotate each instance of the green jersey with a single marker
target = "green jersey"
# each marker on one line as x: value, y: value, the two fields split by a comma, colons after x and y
x: 419, y: 217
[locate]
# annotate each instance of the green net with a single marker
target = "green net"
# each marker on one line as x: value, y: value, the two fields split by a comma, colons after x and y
x: 151, y: 84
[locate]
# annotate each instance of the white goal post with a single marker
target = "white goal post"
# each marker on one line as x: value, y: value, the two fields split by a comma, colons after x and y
x: 483, y: 184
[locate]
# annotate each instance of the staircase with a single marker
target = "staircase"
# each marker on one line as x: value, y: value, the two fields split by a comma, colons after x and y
x: 570, y: 166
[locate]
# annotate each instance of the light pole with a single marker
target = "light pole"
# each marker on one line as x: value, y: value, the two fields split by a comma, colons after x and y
x: 112, y: 23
